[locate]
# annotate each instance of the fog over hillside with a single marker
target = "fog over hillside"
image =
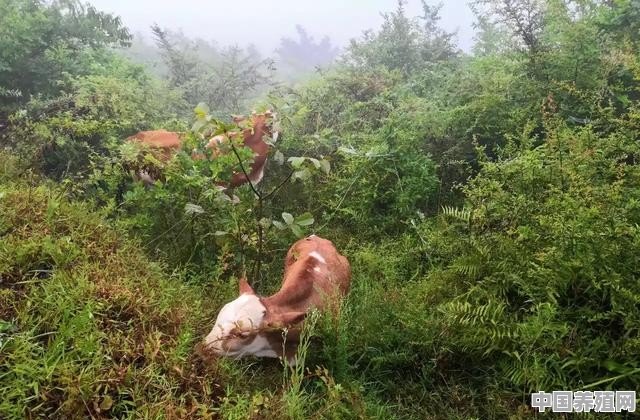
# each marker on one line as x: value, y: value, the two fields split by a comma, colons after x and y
x: 265, y: 23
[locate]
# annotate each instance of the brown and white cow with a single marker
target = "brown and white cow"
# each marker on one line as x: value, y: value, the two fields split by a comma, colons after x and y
x: 168, y: 143
x: 315, y: 276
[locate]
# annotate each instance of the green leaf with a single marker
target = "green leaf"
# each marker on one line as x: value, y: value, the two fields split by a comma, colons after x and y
x: 201, y: 110
x: 191, y: 208
x: 279, y: 225
x: 613, y: 366
x: 6, y: 326
x: 326, y: 166
x: 197, y: 126
x: 377, y: 150
x: 315, y: 162
x: 265, y: 222
x: 288, y: 218
x: 347, y: 150
x: 296, y: 162
x: 106, y: 403
x: 302, y: 174
x: 305, y: 219
x: 297, y: 230
x: 129, y: 151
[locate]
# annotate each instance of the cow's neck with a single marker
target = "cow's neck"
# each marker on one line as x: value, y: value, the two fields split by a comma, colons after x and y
x: 254, y: 137
x: 283, y: 344
x: 280, y: 303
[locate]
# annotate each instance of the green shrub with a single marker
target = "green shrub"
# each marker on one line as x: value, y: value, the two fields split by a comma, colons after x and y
x: 539, y: 283
x: 58, y: 137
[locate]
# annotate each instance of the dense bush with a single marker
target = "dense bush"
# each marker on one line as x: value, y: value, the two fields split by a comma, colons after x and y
x: 44, y: 44
x: 60, y: 136
x: 538, y: 286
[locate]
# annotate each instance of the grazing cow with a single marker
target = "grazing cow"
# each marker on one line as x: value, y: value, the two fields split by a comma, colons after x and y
x: 167, y: 143
x: 315, y: 276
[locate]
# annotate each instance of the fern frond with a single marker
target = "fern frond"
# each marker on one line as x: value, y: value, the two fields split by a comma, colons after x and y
x: 463, y: 215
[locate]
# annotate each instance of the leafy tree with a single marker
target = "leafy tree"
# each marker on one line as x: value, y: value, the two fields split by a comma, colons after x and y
x: 540, y: 280
x: 490, y: 38
x: 224, y: 79
x: 181, y: 59
x: 301, y: 56
x: 525, y: 19
x: 237, y: 79
x: 403, y: 43
x: 44, y: 44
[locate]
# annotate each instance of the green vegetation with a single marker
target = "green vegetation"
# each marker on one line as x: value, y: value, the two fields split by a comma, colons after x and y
x: 489, y: 204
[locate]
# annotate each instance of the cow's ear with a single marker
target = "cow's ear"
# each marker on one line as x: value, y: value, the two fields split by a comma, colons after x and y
x: 286, y: 319
x: 244, y: 288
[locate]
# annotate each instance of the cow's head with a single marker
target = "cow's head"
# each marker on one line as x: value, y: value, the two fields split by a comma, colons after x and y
x: 246, y: 326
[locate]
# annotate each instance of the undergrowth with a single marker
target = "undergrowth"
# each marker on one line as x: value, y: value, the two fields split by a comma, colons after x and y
x: 89, y: 327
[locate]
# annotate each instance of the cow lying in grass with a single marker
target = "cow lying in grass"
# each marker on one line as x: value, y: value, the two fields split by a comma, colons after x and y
x: 315, y: 276
x: 167, y: 143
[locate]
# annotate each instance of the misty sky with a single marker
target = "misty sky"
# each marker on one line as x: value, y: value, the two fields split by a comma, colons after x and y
x: 264, y: 22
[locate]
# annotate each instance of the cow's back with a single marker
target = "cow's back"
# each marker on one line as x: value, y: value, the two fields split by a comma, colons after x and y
x: 167, y: 142
x: 316, y: 260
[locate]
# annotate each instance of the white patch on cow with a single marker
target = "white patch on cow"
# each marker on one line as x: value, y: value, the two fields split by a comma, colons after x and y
x: 259, y: 347
x: 316, y: 268
x: 318, y: 257
x: 246, y: 313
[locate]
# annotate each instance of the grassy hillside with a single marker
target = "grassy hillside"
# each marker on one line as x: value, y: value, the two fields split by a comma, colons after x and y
x: 90, y: 327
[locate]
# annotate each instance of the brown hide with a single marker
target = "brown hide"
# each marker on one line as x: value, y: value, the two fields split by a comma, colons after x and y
x: 303, y: 287
x: 167, y: 143
x: 160, y: 139
x: 253, y: 140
